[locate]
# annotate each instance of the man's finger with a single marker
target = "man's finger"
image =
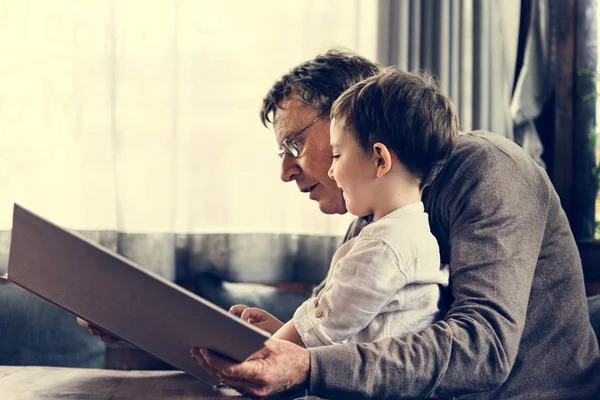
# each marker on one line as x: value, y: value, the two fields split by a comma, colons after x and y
x: 248, y: 371
x: 262, y: 353
x: 245, y: 388
x: 242, y: 386
x: 214, y: 360
x: 195, y: 353
x: 251, y: 369
x: 108, y: 338
x: 94, y: 330
x: 83, y: 323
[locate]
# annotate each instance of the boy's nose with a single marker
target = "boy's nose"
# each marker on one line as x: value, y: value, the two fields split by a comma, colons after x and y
x: 330, y: 172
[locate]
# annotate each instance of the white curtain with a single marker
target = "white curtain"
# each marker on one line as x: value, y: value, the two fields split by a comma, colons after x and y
x: 136, y: 116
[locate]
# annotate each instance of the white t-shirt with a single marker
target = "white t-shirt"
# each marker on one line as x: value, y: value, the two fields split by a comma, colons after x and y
x: 384, y: 282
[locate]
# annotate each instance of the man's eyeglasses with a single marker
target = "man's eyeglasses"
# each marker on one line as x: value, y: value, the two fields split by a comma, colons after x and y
x: 289, y: 145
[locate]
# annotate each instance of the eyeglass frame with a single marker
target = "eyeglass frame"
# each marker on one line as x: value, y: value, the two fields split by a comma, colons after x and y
x: 288, y: 145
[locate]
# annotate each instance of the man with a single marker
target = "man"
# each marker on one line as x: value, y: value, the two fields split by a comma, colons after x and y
x: 518, y: 325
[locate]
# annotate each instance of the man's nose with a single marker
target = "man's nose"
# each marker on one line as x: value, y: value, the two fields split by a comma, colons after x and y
x: 289, y: 168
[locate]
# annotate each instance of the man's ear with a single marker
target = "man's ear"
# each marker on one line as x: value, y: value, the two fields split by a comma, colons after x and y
x: 383, y: 159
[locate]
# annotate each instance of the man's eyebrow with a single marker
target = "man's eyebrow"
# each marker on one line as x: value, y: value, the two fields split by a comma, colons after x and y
x: 291, y: 132
x: 286, y: 135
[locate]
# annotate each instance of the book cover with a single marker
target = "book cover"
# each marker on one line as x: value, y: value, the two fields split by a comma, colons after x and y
x: 118, y: 296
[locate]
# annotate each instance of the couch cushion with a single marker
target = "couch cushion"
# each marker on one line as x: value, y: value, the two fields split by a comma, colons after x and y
x: 36, y: 332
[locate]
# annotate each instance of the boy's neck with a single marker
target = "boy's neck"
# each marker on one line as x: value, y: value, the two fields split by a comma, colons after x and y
x: 395, y: 194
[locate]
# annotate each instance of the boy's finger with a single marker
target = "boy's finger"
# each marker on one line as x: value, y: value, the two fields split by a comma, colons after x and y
x: 250, y: 313
x: 237, y: 309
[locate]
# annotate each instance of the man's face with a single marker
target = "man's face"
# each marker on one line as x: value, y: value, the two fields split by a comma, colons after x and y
x: 309, y: 169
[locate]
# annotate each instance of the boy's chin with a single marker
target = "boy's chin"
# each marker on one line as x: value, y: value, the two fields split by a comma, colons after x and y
x: 358, y: 212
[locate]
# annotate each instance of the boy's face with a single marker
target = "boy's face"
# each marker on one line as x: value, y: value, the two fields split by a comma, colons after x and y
x: 353, y: 169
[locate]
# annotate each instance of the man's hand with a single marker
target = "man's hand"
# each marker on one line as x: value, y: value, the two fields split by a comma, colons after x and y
x: 94, y: 330
x: 278, y: 366
x: 257, y: 317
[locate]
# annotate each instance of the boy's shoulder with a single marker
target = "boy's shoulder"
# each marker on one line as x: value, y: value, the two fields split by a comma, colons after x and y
x: 405, y: 231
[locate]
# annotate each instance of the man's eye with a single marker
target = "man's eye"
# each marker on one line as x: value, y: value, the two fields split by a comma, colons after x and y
x: 335, y: 156
x: 299, y: 146
x: 299, y: 141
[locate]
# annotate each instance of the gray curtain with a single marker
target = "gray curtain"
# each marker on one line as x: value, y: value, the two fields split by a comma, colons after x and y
x: 535, y: 83
x: 249, y: 258
x: 225, y: 268
x: 469, y: 45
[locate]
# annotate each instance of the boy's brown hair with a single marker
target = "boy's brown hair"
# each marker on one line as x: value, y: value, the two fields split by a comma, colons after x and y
x: 405, y: 111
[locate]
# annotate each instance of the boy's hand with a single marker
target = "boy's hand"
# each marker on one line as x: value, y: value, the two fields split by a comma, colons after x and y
x: 257, y: 317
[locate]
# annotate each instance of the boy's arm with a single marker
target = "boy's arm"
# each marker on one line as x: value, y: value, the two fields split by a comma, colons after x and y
x: 362, y: 283
x: 289, y: 332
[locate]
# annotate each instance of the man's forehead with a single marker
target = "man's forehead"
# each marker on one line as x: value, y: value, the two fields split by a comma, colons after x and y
x: 291, y: 115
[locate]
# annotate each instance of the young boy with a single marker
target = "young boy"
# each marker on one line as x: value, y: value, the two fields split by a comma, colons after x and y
x: 386, y: 281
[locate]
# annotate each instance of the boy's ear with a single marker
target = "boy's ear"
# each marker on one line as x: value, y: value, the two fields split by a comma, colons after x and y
x: 383, y: 159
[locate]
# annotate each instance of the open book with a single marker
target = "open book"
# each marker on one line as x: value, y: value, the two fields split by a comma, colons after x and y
x: 118, y: 296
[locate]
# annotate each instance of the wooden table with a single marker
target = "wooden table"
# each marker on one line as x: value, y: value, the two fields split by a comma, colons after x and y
x: 20, y: 383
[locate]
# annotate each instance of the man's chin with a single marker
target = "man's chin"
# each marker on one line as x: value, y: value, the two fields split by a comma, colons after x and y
x: 329, y: 207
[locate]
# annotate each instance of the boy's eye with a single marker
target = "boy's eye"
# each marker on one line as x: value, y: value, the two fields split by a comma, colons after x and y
x: 335, y: 156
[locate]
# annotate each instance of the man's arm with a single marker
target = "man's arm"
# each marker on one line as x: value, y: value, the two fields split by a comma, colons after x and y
x: 496, y: 216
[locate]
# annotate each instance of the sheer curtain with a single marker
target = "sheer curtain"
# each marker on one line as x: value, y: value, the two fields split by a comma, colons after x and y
x: 469, y: 45
x: 137, y: 122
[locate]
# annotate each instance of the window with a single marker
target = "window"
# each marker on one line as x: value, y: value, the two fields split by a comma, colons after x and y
x: 596, y: 142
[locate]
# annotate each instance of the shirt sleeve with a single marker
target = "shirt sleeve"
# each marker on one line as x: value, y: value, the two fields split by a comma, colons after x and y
x: 361, y: 284
x: 353, y: 230
x: 496, y: 219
